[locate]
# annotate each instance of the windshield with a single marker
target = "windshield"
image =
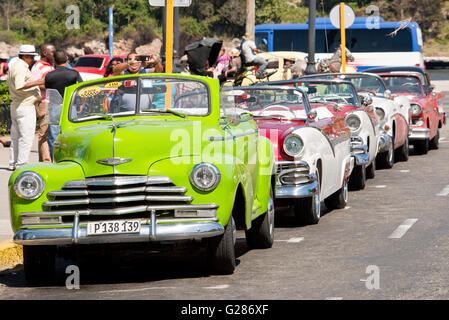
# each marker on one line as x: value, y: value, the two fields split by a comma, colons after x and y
x: 264, y: 102
x: 89, y: 62
x: 140, y: 96
x: 360, y: 82
x: 342, y: 93
x: 408, y: 85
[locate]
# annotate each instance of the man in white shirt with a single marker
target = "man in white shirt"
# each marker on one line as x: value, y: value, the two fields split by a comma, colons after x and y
x: 249, y: 51
x: 23, y: 104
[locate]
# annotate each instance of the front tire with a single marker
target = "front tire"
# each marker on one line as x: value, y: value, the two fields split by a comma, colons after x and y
x: 421, y: 146
x: 357, y: 180
x: 403, y: 152
x: 434, y: 143
x: 39, y: 264
x: 308, y: 210
x: 371, y: 170
x: 339, y: 199
x: 221, y: 250
x: 385, y: 160
x: 261, y: 233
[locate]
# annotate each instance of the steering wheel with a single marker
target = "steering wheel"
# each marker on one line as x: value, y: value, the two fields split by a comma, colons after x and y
x: 409, y: 84
x: 367, y: 90
x: 278, y: 106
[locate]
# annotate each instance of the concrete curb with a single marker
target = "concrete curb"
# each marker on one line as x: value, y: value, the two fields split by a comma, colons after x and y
x: 11, y: 255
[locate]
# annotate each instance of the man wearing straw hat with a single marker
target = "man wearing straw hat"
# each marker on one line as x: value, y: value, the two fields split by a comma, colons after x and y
x: 23, y: 107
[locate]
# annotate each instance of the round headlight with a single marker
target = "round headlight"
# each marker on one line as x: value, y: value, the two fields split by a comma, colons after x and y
x: 353, y: 122
x: 380, y: 113
x: 205, y: 176
x: 293, y: 145
x: 29, y: 185
x: 416, y: 109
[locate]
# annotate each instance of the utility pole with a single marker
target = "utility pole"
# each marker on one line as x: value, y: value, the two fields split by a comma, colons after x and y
x: 250, y: 17
x: 311, y: 67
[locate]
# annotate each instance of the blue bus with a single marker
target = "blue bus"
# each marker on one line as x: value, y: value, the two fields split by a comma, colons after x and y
x: 391, y: 44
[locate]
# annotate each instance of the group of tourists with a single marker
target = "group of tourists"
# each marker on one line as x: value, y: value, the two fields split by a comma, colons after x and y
x: 28, y: 81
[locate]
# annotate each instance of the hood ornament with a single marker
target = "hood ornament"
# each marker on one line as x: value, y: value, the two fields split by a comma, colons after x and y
x: 114, y: 161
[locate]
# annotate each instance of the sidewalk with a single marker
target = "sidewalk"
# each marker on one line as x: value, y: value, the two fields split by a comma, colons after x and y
x: 10, y: 254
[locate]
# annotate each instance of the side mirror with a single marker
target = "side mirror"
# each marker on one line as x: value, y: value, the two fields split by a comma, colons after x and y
x: 428, y: 89
x: 337, y: 107
x: 387, y: 94
x: 367, y: 100
x: 312, y: 114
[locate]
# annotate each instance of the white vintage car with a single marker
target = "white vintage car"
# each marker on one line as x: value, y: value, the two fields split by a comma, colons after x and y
x: 360, y: 118
x: 311, y: 144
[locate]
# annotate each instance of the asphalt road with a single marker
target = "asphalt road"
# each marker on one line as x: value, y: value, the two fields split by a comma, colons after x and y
x: 391, y: 242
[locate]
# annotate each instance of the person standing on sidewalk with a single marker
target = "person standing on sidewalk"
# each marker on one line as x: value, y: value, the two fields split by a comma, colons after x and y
x: 23, y: 107
x: 59, y: 79
x: 39, y: 70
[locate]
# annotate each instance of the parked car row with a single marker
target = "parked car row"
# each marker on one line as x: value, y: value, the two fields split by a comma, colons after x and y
x: 166, y: 159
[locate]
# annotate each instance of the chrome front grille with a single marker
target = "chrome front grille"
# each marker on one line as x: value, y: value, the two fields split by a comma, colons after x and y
x: 292, y: 173
x: 109, y: 197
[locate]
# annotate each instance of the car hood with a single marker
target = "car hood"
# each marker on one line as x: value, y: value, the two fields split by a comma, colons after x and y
x: 135, y: 143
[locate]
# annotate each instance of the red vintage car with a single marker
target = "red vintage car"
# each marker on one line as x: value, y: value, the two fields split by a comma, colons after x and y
x: 427, y: 118
x: 311, y: 142
x: 93, y: 66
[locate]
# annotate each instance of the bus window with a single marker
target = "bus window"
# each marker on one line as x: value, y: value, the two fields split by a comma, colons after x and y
x: 358, y: 40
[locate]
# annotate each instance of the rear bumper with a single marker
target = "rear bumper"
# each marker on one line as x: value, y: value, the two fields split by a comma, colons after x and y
x: 148, y: 233
x: 419, y: 134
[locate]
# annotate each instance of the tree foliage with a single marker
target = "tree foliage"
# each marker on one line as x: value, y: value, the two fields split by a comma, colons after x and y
x: 45, y: 20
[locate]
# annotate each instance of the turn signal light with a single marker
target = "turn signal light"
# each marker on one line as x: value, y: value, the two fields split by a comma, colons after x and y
x: 387, y: 127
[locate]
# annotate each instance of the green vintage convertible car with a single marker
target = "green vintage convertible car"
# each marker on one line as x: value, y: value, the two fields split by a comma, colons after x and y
x: 145, y: 158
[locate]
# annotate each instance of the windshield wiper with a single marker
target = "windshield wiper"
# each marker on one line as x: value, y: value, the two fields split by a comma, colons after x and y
x: 166, y: 111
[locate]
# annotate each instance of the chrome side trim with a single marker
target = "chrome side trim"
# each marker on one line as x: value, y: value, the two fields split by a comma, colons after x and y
x: 239, y: 135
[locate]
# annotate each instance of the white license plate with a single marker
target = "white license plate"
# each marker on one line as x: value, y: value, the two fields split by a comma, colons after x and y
x: 113, y: 227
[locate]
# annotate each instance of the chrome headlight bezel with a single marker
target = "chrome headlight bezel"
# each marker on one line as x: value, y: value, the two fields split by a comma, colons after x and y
x: 290, y: 152
x: 356, y: 118
x: 415, y: 108
x: 212, y: 170
x: 380, y: 113
x: 36, y: 178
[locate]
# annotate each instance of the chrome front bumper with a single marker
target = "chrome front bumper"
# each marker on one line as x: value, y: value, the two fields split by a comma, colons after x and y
x: 359, y: 151
x: 301, y: 191
x: 148, y: 233
x: 419, y: 134
x: 384, y: 143
x: 294, y: 180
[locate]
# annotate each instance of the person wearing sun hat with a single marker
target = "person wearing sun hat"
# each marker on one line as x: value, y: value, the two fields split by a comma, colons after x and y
x: 3, y: 66
x: 23, y: 106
